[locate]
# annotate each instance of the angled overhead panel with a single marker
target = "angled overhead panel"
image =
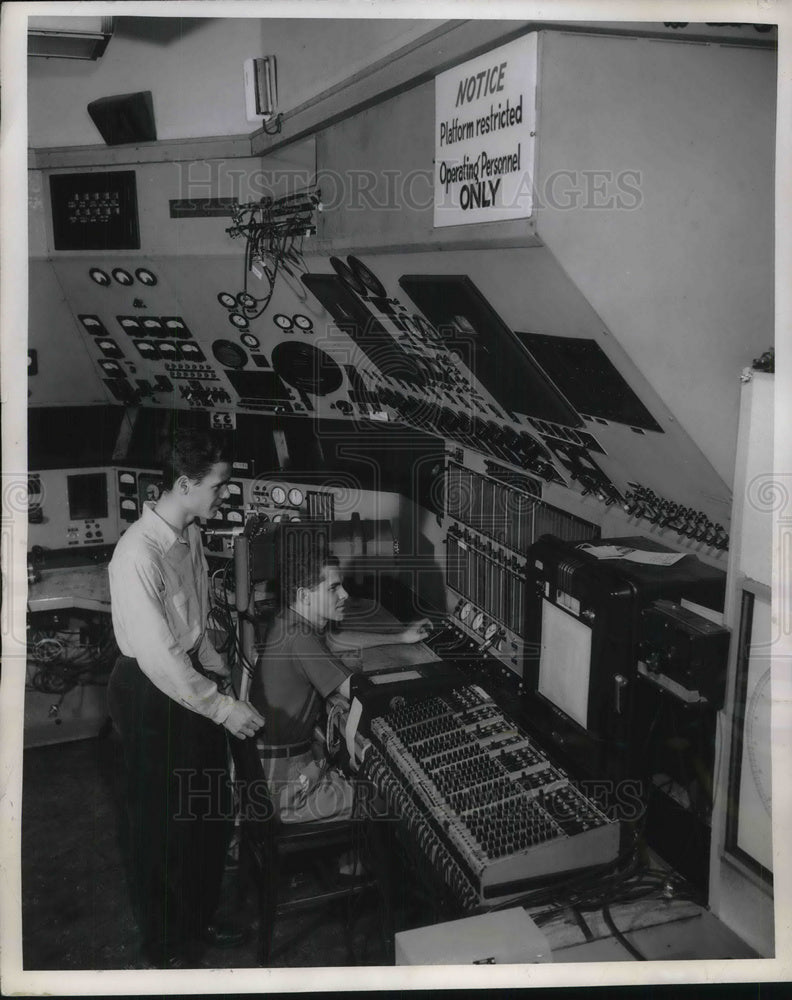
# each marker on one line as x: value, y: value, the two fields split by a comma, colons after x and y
x: 586, y: 376
x: 469, y: 324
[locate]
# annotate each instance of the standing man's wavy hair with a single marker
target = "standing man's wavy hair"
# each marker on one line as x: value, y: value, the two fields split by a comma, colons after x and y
x: 192, y: 453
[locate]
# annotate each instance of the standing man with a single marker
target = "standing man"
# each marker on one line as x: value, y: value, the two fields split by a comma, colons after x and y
x: 298, y: 670
x: 167, y: 699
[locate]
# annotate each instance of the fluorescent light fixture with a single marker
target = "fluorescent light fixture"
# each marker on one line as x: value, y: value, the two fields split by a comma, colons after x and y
x: 69, y: 37
x: 261, y: 88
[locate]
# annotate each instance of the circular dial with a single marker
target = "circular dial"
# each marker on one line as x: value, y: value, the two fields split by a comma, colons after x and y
x: 277, y: 518
x: 99, y: 276
x: 295, y: 497
x: 284, y: 322
x: 278, y: 495
x: 246, y: 300
x: 478, y: 621
x: 226, y: 299
x: 303, y: 322
x: 367, y: 277
x: 122, y: 277
x: 306, y: 367
x: 145, y: 277
x: 250, y: 341
x: 229, y: 354
x: 240, y: 322
x: 347, y: 275
x: 466, y: 612
x: 490, y: 631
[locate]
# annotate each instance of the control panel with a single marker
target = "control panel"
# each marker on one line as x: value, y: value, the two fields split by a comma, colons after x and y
x: 485, y: 804
x: 71, y: 508
x: 491, y: 521
x: 427, y: 351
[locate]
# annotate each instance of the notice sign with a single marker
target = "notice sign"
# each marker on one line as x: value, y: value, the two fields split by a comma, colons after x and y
x: 485, y: 121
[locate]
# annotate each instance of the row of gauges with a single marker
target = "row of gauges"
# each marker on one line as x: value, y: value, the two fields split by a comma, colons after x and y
x: 139, y: 326
x: 279, y: 495
x: 235, y: 302
x: 289, y: 323
x: 122, y: 277
x: 476, y: 621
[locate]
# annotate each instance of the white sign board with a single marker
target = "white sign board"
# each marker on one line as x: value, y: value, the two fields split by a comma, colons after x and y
x: 485, y: 125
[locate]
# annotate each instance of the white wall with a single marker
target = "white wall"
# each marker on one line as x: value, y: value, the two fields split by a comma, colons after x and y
x: 684, y: 278
x: 194, y: 71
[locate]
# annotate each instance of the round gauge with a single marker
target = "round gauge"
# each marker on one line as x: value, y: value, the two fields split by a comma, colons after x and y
x: 347, y: 275
x: 99, y: 276
x: 278, y: 495
x: 229, y: 355
x: 277, y: 518
x: 240, y: 322
x: 284, y: 322
x: 490, y: 631
x: 122, y: 277
x: 478, y: 621
x: 295, y: 497
x: 246, y: 300
x: 250, y: 341
x: 295, y: 517
x: 145, y: 277
x: 367, y: 277
x: 303, y: 322
x: 466, y: 612
x: 227, y: 299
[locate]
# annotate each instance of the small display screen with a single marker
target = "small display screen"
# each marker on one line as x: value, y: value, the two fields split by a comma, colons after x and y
x: 87, y: 495
x: 565, y: 662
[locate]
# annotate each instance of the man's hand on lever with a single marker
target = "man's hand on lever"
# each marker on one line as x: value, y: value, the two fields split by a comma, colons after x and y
x: 416, y: 632
x: 243, y: 720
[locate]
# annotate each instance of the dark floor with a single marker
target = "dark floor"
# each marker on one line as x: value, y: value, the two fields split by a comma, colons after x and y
x: 76, y: 913
x: 75, y: 905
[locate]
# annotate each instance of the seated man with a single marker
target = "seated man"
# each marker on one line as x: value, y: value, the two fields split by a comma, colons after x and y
x: 296, y: 672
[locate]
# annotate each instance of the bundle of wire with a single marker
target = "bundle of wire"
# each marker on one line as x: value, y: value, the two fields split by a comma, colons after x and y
x: 273, y: 230
x: 63, y: 660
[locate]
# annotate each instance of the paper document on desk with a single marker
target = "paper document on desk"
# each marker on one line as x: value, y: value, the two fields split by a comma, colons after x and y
x: 632, y: 555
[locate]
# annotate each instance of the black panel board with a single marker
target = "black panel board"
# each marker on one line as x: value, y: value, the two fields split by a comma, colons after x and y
x: 358, y: 322
x: 95, y: 211
x: 468, y: 324
x: 71, y: 437
x: 587, y: 377
x: 153, y: 428
x: 258, y: 385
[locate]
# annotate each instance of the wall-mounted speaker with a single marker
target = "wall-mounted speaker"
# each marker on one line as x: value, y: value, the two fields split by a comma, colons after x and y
x: 124, y: 118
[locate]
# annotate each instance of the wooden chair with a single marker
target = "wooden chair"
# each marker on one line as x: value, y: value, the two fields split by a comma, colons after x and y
x: 270, y: 851
x: 268, y: 846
